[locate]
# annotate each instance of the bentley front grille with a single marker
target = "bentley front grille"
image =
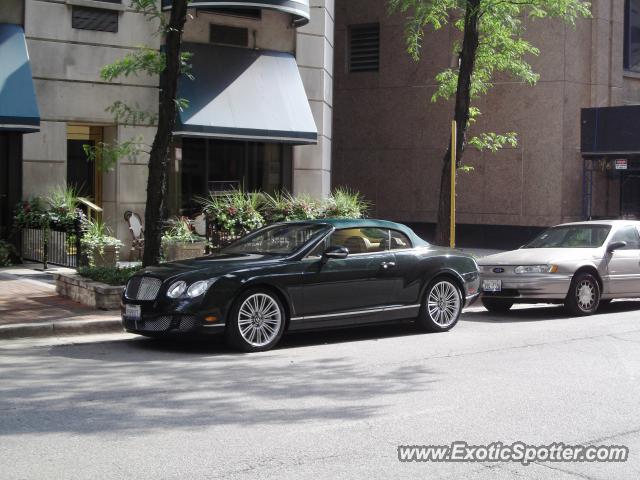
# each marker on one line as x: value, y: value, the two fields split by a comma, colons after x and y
x: 143, y: 288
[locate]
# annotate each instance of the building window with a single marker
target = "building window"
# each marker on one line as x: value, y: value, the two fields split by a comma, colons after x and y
x: 225, y: 35
x: 84, y: 18
x: 216, y: 166
x: 632, y: 35
x: 364, y: 48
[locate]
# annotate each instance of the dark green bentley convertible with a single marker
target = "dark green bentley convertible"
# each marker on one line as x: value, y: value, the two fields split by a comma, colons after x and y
x: 304, y: 275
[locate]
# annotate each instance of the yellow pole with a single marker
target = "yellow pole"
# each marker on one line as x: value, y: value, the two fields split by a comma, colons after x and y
x: 454, y: 137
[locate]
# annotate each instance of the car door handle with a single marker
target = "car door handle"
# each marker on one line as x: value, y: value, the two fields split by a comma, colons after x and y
x: 388, y: 265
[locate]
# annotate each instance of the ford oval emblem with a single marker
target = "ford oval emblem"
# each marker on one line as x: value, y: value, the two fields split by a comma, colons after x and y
x: 498, y: 270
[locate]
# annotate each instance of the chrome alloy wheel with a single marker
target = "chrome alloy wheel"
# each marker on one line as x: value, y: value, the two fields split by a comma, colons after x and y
x: 586, y: 295
x: 259, y: 319
x: 443, y: 303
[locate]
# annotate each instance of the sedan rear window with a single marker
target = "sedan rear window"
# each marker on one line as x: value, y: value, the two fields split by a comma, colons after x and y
x: 571, y: 236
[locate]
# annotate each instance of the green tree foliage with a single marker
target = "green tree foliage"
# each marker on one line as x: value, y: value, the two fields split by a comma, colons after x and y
x: 492, y: 43
x: 168, y: 64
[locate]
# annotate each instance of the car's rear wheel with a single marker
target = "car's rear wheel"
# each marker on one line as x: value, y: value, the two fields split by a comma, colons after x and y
x: 497, y: 305
x: 256, y: 322
x: 441, y: 306
x: 584, y: 295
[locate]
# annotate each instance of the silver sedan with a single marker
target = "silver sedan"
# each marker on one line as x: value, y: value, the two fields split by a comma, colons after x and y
x: 582, y: 265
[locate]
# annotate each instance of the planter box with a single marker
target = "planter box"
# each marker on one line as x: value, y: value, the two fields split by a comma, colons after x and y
x: 107, y: 258
x: 86, y: 291
x: 183, y: 251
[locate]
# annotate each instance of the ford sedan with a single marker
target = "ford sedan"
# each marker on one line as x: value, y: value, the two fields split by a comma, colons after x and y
x: 304, y: 275
x: 582, y: 265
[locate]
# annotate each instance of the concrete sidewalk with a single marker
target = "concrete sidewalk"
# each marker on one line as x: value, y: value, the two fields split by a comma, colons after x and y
x: 30, y: 307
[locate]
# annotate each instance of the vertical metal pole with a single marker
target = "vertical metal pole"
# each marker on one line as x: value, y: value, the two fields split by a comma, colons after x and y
x: 454, y: 156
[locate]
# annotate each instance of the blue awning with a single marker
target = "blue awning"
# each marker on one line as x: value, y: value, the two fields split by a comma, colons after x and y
x: 245, y: 94
x: 18, y: 106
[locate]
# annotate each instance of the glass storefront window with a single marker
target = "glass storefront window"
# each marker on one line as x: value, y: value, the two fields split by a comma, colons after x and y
x: 632, y: 35
x: 220, y: 165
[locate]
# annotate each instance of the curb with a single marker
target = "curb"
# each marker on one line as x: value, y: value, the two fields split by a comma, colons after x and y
x: 62, y: 327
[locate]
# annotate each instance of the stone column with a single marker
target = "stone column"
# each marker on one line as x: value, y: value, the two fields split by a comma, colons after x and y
x: 314, y: 53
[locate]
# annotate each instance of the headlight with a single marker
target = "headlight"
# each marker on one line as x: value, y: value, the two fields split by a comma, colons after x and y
x: 536, y: 269
x: 197, y: 289
x: 176, y: 289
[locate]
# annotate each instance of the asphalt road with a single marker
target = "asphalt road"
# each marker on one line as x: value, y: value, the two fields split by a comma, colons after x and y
x: 324, y: 405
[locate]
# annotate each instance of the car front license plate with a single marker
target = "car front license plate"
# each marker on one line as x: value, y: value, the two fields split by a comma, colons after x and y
x: 492, y: 285
x: 132, y: 311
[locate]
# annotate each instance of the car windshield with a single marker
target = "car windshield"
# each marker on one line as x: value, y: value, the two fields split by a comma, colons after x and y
x: 571, y: 236
x: 276, y: 240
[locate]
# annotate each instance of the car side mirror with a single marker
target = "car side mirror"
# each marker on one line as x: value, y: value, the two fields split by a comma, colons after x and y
x: 336, y: 253
x: 613, y: 246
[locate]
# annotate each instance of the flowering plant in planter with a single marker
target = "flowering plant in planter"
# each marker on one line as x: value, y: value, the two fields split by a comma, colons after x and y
x: 345, y: 203
x: 284, y: 207
x: 180, y: 231
x: 101, y: 247
x: 63, y: 208
x: 180, y: 242
x: 236, y: 213
x: 32, y: 213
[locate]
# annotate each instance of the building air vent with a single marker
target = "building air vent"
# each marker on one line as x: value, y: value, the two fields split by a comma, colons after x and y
x: 84, y: 18
x: 364, y: 48
x: 226, y: 35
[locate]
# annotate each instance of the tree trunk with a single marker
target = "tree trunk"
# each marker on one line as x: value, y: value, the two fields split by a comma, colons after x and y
x: 461, y: 116
x: 158, y: 158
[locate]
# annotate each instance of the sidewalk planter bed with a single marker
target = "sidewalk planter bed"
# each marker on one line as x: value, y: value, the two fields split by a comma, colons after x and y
x: 106, y: 256
x: 184, y: 251
x: 86, y: 291
x: 236, y: 213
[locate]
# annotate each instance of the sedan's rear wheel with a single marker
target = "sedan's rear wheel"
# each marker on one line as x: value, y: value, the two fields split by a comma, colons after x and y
x: 256, y: 322
x: 584, y: 295
x: 497, y: 305
x: 441, y: 307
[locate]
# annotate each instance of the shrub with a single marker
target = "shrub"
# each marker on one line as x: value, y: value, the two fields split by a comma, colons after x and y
x: 109, y: 275
x: 8, y: 254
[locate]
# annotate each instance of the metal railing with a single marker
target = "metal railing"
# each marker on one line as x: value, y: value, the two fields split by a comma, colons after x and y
x: 54, y: 246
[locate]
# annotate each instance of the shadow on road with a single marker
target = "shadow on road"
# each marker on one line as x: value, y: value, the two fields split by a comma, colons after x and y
x: 546, y: 313
x: 142, y: 384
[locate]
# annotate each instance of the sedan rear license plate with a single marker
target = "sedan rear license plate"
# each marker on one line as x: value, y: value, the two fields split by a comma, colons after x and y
x: 492, y: 285
x: 132, y: 311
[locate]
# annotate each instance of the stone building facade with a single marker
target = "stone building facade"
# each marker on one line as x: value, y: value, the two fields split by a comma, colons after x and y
x: 68, y: 41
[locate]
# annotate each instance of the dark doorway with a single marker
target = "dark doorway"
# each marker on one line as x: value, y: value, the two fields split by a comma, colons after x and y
x: 80, y: 172
x: 630, y: 195
x: 10, y: 179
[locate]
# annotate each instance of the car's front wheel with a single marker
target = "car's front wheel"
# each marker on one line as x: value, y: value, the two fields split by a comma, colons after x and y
x: 256, y: 322
x: 441, y: 306
x: 497, y: 305
x: 584, y: 295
